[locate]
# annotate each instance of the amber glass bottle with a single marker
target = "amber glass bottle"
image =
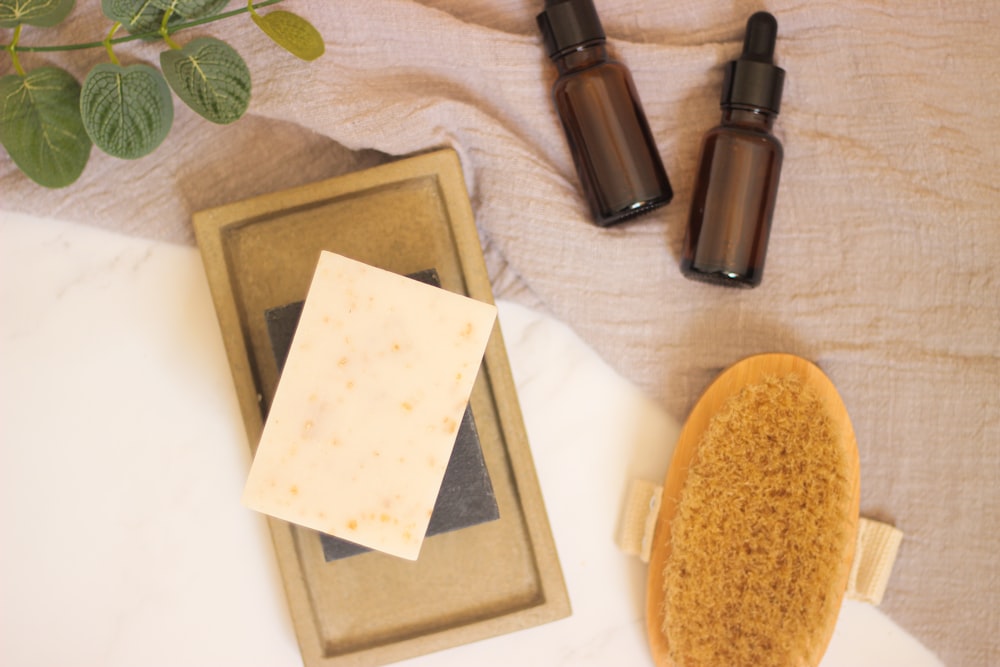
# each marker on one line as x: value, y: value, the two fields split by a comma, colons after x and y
x: 737, y: 180
x: 615, y: 155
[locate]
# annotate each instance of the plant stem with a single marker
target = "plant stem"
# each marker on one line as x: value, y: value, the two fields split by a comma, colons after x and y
x: 165, y: 33
x: 108, y: 42
x: 14, y: 48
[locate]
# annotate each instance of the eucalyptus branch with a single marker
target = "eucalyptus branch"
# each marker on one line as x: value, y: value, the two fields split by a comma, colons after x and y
x: 15, y: 48
x: 49, y: 121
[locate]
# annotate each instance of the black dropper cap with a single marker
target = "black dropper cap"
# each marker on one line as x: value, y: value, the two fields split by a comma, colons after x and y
x: 754, y: 81
x: 567, y: 24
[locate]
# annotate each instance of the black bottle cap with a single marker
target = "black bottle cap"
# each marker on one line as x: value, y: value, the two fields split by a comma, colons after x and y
x: 754, y: 81
x: 567, y: 24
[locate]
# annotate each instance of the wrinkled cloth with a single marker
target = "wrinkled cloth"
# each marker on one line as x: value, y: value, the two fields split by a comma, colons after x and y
x: 883, y: 259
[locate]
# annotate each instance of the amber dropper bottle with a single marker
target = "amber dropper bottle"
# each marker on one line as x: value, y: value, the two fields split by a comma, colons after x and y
x: 613, y: 149
x: 737, y: 180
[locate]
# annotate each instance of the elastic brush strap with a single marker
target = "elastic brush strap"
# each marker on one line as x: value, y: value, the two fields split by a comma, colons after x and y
x: 639, y: 520
x: 874, y: 557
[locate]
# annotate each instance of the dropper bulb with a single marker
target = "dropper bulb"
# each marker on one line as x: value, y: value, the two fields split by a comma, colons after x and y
x: 753, y: 81
x: 761, y: 35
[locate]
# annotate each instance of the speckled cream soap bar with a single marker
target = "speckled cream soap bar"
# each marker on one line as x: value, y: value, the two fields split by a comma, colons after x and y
x: 368, y: 406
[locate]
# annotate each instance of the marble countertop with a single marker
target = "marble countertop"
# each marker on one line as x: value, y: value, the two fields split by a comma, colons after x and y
x: 122, y: 459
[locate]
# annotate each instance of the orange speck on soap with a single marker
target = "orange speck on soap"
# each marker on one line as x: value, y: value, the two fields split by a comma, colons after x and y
x: 294, y: 490
x: 467, y: 331
x: 407, y: 406
x: 450, y: 425
x: 342, y: 362
x: 385, y: 518
x: 352, y: 524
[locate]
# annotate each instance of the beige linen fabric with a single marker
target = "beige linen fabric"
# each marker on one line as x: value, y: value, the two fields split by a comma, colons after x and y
x: 883, y: 259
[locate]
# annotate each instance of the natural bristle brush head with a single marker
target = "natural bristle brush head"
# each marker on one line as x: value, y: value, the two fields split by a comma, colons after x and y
x: 756, y: 533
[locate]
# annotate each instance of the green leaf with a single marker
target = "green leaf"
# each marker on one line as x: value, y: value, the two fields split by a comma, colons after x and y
x: 137, y: 16
x: 192, y: 9
x: 40, y: 126
x: 127, y: 111
x: 44, y: 13
x: 293, y: 33
x: 210, y: 77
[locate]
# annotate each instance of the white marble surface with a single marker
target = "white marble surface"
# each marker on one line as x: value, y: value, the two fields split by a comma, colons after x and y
x: 122, y: 459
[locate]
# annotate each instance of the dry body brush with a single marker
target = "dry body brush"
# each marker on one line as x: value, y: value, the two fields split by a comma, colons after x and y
x: 759, y: 536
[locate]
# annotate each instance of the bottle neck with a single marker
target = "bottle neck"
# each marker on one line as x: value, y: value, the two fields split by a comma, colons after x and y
x: 583, y: 56
x: 751, y: 119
